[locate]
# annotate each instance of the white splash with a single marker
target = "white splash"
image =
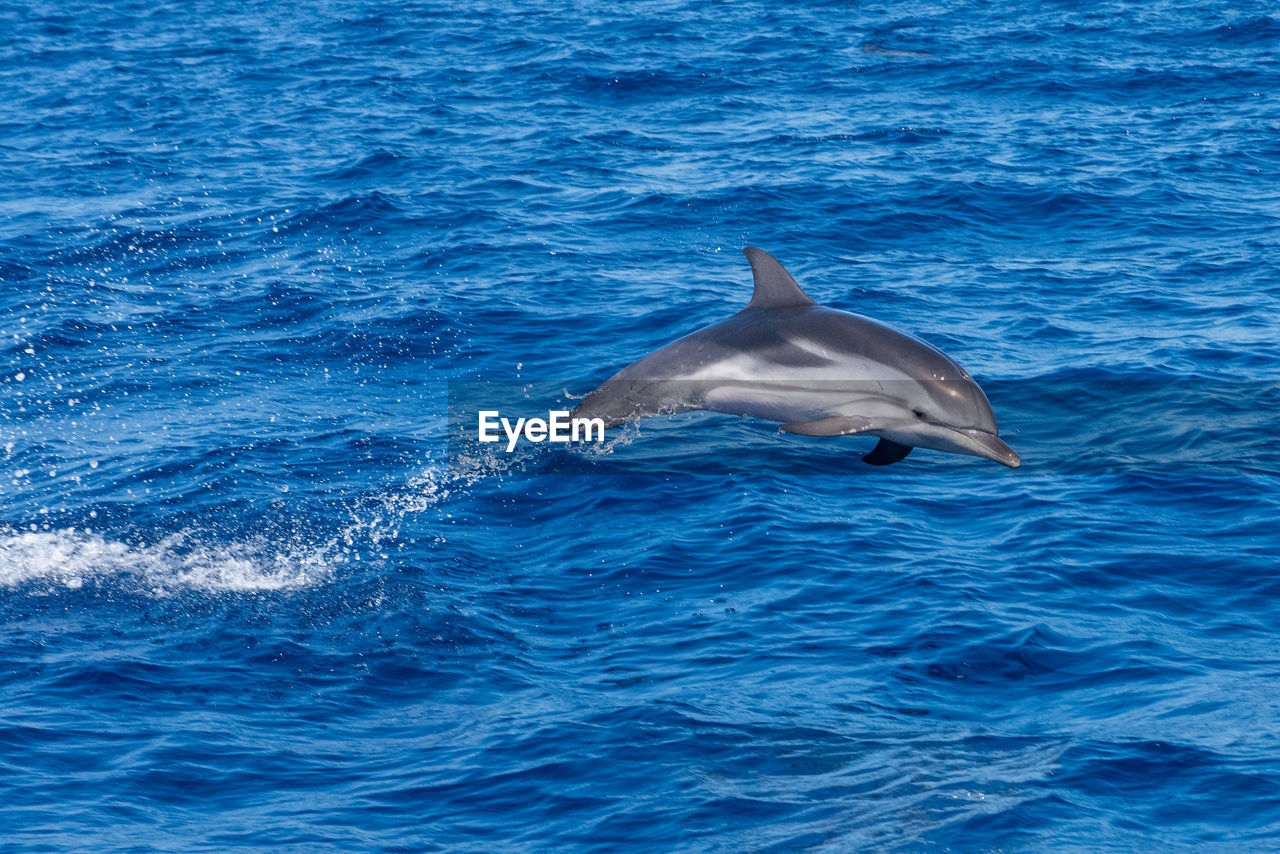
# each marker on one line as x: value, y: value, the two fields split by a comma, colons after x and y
x: 69, y: 558
x: 44, y: 560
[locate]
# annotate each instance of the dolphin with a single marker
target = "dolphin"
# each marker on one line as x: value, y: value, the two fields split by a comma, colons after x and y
x: 817, y: 371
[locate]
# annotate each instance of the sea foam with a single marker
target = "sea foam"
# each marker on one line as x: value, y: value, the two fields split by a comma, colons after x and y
x: 70, y: 558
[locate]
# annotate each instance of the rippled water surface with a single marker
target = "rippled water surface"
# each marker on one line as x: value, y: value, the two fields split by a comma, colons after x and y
x: 251, y: 597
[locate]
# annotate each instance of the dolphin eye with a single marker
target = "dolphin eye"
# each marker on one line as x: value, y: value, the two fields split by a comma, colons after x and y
x: 918, y: 413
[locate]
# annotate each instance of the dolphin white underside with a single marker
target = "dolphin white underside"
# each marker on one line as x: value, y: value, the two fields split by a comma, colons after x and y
x: 881, y: 408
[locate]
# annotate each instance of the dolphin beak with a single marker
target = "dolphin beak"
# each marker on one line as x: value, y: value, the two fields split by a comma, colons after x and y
x: 992, y: 447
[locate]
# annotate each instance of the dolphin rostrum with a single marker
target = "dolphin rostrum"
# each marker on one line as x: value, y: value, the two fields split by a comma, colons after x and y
x: 816, y: 370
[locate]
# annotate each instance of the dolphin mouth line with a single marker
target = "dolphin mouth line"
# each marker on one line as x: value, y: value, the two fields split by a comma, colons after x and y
x: 990, y: 446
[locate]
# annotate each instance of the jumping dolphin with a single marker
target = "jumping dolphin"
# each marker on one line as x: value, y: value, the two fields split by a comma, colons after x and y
x: 816, y: 370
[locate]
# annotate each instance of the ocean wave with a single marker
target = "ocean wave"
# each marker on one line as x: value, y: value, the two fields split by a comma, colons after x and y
x: 248, y: 250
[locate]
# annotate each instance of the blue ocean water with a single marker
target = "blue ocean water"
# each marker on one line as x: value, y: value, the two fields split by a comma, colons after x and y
x: 252, y: 598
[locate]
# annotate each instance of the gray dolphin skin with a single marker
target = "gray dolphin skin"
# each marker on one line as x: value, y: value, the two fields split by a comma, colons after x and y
x: 815, y: 370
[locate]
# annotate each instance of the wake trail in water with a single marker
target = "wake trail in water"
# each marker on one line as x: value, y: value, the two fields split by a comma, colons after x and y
x: 46, y: 559
x: 70, y: 558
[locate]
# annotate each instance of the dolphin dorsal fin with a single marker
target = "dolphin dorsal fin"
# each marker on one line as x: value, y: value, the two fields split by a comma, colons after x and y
x: 774, y: 286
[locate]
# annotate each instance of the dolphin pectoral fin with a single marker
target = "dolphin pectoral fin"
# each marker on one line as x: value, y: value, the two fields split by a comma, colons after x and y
x: 836, y: 425
x: 886, y: 452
